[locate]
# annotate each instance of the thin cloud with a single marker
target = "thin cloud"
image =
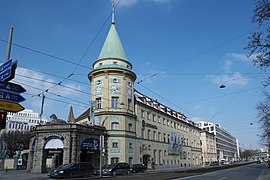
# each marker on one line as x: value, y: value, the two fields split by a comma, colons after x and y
x: 228, y: 66
x: 26, y: 77
x: 241, y: 57
x: 235, y: 79
x: 197, y: 119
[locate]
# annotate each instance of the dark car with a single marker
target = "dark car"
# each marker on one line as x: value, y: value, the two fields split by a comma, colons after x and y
x: 72, y: 170
x: 116, y: 169
x: 138, y: 168
x: 215, y: 163
x: 269, y: 163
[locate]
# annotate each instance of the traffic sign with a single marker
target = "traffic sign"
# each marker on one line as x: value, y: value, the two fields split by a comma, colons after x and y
x: 8, y: 96
x: 6, y: 65
x: 10, y: 106
x: 11, y: 87
x: 5, y: 74
x: 5, y: 70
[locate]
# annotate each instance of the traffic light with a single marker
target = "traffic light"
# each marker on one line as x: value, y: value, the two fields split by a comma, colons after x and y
x: 3, y: 119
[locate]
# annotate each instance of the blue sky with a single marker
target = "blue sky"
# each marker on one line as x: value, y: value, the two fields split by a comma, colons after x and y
x: 181, y: 51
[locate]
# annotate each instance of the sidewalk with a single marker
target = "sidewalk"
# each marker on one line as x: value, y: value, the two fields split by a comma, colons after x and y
x: 21, y: 175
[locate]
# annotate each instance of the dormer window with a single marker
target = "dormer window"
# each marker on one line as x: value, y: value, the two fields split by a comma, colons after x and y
x: 114, y: 62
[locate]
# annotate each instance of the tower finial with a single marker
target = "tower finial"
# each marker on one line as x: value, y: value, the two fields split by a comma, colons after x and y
x: 112, y: 11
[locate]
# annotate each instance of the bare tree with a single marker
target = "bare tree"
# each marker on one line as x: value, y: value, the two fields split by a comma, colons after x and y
x: 263, y: 109
x: 16, y: 140
x: 259, y: 41
x: 259, y: 49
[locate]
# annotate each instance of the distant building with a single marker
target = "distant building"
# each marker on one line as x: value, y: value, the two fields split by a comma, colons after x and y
x: 209, y: 150
x: 23, y: 121
x: 226, y: 144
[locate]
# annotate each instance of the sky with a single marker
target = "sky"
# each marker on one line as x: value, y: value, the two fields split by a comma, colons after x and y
x: 181, y: 51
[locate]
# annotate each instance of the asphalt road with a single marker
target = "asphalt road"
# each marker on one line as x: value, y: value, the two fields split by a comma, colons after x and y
x: 248, y: 172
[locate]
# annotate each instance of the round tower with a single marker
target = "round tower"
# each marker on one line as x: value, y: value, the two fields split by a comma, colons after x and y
x: 112, y: 95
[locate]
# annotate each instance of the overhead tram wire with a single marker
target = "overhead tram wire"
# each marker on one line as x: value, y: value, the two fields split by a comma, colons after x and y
x: 57, y: 100
x: 77, y: 64
x: 198, y: 55
x: 214, y: 97
x: 92, y: 42
x: 49, y: 93
x: 46, y: 54
x: 167, y: 100
x: 41, y: 80
x: 230, y: 100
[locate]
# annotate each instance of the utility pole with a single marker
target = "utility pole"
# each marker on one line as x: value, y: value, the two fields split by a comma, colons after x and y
x: 9, y: 43
x: 2, y: 159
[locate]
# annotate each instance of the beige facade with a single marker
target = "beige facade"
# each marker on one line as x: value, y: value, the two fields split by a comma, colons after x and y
x: 209, y: 150
x: 164, y: 136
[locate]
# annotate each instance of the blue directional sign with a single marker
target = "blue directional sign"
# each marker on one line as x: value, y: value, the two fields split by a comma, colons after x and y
x: 8, y: 96
x: 5, y: 70
x: 5, y: 74
x: 11, y: 87
x: 6, y: 65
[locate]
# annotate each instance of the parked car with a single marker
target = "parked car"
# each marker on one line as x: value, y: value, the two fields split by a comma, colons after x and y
x: 138, y: 168
x: 216, y: 163
x: 116, y: 169
x: 269, y: 163
x: 80, y: 169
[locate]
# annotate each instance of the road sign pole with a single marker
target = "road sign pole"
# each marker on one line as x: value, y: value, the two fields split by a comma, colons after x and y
x: 9, y: 43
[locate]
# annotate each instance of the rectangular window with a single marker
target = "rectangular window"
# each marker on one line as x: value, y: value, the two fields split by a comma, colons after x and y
x: 154, y: 118
x: 115, y: 102
x: 129, y: 104
x: 130, y: 146
x: 148, y: 115
x: 129, y: 127
x: 98, y: 103
x: 143, y: 133
x: 130, y: 160
x: 114, y: 160
x: 115, y: 144
x: 149, y: 134
x: 154, y: 135
x: 142, y: 113
x: 115, y: 126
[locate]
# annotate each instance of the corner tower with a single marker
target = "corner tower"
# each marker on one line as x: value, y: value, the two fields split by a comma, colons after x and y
x: 112, y: 91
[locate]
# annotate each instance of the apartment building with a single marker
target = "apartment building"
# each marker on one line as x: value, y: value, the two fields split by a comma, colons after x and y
x: 23, y: 121
x: 226, y: 144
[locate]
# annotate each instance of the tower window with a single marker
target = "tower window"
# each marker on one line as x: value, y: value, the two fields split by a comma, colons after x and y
x: 100, y: 64
x: 98, y: 103
x: 115, y: 144
x: 115, y: 126
x: 129, y: 127
x: 115, y: 102
x: 129, y: 104
x: 114, y: 62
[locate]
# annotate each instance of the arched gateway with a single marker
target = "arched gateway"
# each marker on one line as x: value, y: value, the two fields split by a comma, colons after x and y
x: 57, y: 144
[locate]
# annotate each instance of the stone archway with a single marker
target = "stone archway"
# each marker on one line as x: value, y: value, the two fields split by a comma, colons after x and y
x: 53, y: 154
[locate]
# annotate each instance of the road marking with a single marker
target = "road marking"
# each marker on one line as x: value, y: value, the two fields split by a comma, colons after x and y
x: 223, y: 178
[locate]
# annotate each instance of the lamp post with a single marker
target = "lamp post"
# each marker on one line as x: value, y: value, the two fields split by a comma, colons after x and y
x: 101, y: 147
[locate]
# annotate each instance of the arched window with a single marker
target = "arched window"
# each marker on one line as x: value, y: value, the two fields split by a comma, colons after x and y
x: 115, y: 126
